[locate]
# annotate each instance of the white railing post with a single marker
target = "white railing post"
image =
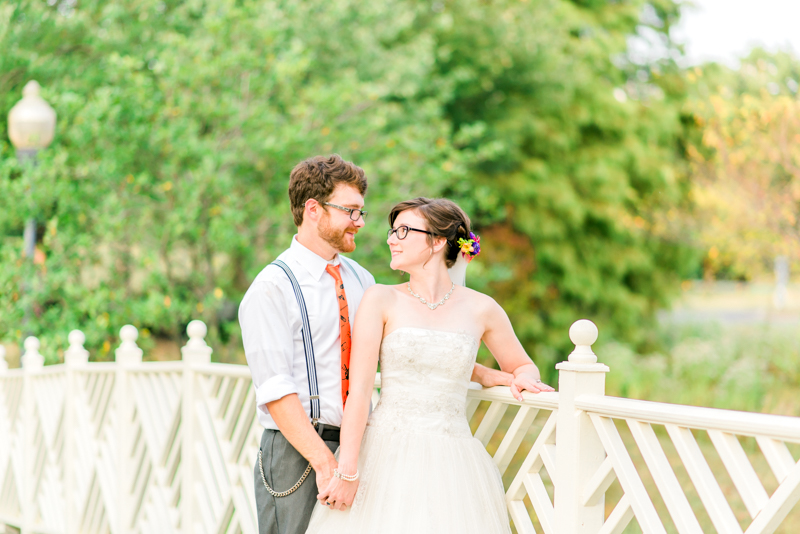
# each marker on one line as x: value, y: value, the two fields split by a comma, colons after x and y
x: 196, y: 351
x: 126, y: 356
x: 31, y: 362
x: 579, y: 450
x: 75, y: 357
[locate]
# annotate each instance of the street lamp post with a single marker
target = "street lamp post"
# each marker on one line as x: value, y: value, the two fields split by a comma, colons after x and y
x: 31, y: 127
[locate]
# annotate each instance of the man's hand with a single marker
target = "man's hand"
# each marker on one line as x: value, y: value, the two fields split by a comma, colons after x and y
x: 339, y: 494
x: 291, y: 418
x: 324, y: 472
x: 530, y: 382
x: 490, y: 377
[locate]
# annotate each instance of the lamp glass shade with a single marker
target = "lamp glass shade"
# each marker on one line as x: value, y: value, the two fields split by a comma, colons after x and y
x: 31, y: 122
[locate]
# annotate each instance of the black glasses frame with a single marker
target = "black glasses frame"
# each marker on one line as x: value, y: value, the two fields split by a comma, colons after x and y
x: 402, y: 231
x: 352, y: 211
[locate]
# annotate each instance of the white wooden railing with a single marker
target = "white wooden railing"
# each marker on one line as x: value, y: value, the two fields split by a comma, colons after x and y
x: 159, y: 447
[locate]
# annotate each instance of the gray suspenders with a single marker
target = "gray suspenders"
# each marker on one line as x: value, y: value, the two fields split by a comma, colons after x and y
x: 311, y: 370
x: 308, y: 344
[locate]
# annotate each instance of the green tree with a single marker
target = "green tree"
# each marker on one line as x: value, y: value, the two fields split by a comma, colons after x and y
x: 575, y: 151
x: 747, y: 163
x: 164, y: 192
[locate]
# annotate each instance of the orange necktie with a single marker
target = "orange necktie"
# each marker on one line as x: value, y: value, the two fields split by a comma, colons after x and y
x: 344, y: 330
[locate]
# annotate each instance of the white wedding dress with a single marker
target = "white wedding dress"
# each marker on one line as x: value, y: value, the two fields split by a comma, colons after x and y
x: 421, y: 469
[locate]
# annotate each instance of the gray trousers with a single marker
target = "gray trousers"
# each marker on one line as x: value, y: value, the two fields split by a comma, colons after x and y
x: 283, y: 467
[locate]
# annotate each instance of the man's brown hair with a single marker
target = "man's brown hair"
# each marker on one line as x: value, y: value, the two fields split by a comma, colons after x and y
x: 317, y: 177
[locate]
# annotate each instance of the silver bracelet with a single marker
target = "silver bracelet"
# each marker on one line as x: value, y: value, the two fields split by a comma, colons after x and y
x: 346, y: 478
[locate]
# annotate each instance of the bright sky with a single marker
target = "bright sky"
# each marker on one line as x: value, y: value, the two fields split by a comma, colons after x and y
x: 723, y: 30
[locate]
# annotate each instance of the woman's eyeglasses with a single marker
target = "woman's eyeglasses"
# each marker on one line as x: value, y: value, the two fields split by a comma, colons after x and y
x: 402, y: 231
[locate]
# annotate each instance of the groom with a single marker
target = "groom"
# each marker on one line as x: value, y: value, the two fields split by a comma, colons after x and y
x: 296, y: 322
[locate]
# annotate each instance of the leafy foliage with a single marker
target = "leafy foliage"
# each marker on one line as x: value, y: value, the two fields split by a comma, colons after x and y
x: 747, y: 164
x: 575, y: 150
x: 164, y: 192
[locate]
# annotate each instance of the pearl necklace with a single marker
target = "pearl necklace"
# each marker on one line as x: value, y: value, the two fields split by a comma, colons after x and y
x: 428, y: 304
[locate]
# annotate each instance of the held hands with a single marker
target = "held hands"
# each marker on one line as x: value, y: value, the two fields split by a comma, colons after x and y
x: 527, y: 381
x: 338, y: 494
x: 324, y: 472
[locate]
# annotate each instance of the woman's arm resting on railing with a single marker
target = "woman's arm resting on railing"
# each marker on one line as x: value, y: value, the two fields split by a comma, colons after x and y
x: 488, y: 377
x: 369, y: 323
x: 501, y: 341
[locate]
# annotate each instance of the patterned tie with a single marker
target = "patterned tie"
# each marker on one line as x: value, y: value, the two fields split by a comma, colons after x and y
x: 344, y: 330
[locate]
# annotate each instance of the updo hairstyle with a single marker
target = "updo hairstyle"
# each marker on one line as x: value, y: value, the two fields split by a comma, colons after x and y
x: 443, y: 217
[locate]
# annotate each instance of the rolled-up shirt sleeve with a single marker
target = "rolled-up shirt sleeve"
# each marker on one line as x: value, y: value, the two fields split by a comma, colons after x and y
x: 268, y: 342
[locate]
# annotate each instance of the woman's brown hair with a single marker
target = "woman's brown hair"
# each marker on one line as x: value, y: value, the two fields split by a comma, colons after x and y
x: 443, y: 217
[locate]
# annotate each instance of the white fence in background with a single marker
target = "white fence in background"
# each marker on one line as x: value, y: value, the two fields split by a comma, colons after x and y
x: 160, y: 447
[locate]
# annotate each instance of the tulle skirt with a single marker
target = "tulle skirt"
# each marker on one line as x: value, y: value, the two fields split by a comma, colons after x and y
x: 415, y: 483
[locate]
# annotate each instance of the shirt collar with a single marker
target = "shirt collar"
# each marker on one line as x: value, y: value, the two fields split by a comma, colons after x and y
x: 311, y: 261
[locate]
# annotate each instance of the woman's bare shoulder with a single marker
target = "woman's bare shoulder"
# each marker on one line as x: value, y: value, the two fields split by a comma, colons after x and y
x: 380, y: 293
x: 481, y: 301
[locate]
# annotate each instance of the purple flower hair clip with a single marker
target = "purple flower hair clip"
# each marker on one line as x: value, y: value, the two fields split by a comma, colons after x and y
x: 470, y: 247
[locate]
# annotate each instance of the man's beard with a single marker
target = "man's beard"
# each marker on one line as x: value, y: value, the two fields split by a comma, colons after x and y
x: 335, y: 237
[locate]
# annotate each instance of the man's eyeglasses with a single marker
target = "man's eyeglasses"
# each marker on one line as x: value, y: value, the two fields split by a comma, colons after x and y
x: 402, y: 231
x: 355, y: 214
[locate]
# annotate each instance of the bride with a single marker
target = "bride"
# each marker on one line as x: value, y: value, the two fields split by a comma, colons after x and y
x: 412, y: 465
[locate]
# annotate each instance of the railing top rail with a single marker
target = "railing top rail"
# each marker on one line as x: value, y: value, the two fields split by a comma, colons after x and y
x: 94, y: 367
x: 157, y: 367
x: 223, y: 369
x: 547, y: 401
x: 48, y: 370
x: 781, y: 427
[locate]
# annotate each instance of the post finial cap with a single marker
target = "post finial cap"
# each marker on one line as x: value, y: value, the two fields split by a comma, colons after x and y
x: 197, y: 329
x: 196, y: 350
x: 32, y: 359
x: 583, y: 333
x: 76, y: 354
x: 128, y: 352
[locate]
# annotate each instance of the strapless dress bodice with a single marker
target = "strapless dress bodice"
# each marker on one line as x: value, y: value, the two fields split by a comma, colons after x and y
x: 424, y: 382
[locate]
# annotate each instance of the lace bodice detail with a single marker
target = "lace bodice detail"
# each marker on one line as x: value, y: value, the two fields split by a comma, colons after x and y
x: 424, y: 381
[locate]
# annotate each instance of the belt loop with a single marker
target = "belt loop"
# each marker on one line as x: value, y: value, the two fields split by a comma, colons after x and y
x: 320, y: 428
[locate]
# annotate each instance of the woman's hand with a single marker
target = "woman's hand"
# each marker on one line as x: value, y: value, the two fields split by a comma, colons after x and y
x: 528, y: 381
x: 339, y: 494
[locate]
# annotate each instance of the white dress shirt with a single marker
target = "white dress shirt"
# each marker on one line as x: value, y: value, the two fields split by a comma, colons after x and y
x: 270, y: 320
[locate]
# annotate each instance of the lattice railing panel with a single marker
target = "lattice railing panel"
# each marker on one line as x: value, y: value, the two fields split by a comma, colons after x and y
x: 225, y: 451
x: 521, y: 440
x: 11, y: 444
x: 130, y: 447
x: 93, y: 492
x: 156, y: 449
x: 44, y: 423
x: 713, y: 485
